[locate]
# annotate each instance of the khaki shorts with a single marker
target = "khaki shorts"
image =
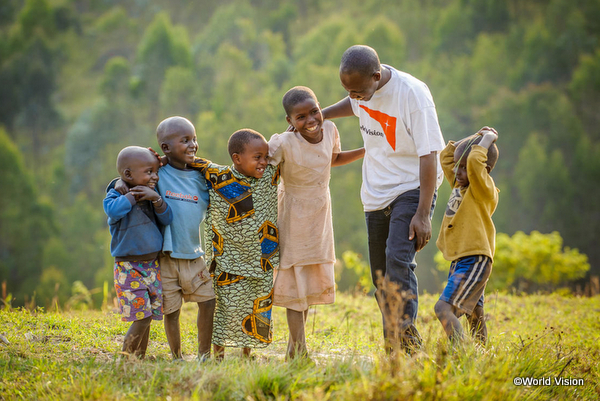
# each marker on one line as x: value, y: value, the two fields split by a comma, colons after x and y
x: 184, y: 280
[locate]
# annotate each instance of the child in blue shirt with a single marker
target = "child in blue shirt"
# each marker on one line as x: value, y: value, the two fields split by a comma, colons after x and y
x: 184, y: 272
x: 136, y: 241
x: 185, y: 277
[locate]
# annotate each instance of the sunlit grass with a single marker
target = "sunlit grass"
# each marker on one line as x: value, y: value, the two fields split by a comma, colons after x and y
x: 75, y: 355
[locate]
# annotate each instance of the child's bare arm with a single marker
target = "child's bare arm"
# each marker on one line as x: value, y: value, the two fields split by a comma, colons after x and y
x: 347, y: 156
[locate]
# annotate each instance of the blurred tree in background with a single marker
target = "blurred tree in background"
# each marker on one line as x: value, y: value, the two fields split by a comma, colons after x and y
x: 81, y: 79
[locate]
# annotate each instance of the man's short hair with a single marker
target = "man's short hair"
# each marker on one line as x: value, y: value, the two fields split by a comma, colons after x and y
x: 296, y: 95
x: 464, y: 148
x: 360, y: 59
x: 240, y: 138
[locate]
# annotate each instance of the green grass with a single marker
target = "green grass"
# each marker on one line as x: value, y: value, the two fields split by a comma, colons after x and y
x: 75, y: 355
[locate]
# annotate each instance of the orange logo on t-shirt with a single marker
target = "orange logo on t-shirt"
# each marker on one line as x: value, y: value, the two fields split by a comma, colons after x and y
x: 388, y: 123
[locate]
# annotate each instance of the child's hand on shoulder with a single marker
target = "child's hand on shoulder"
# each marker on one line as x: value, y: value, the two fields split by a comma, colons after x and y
x: 143, y: 193
x: 162, y: 160
x: 121, y: 187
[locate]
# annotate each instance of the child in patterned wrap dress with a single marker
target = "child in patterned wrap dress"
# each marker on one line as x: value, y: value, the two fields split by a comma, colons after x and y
x: 242, y: 224
x: 306, y: 152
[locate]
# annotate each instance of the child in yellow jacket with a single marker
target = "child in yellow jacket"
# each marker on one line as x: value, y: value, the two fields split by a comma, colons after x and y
x: 467, y: 236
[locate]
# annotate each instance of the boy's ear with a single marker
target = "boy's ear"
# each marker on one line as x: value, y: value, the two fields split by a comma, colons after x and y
x: 288, y: 119
x: 377, y: 76
x: 488, y: 169
x: 127, y: 175
x: 235, y: 158
x: 164, y: 146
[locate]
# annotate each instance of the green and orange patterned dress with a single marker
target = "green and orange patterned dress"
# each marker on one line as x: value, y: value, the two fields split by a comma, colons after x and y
x: 242, y: 223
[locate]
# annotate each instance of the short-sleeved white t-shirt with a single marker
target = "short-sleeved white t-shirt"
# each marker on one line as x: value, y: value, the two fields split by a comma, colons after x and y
x: 399, y: 124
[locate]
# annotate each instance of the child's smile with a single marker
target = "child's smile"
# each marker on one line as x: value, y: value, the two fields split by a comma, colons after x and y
x: 184, y: 148
x: 307, y: 118
x: 144, y: 172
x: 253, y: 160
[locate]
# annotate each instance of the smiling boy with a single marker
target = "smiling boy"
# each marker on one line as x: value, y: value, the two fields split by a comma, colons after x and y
x: 133, y: 221
x: 242, y: 222
x: 184, y: 272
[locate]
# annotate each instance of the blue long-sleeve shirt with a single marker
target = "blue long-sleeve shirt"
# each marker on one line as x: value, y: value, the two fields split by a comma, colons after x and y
x: 134, y: 227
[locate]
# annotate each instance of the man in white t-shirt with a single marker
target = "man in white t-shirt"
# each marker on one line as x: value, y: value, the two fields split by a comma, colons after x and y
x: 401, y: 174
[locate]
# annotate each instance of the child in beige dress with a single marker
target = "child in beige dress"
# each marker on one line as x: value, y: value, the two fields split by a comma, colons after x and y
x: 305, y: 153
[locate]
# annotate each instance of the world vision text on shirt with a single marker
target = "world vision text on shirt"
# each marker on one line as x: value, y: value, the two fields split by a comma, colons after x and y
x: 388, y: 123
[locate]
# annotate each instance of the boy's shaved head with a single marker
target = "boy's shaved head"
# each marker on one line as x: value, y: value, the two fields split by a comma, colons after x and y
x: 464, y: 148
x: 296, y: 95
x: 360, y: 59
x: 133, y: 155
x: 172, y: 126
x: 240, y: 138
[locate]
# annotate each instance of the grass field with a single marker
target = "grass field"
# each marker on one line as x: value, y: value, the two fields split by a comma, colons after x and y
x: 75, y: 355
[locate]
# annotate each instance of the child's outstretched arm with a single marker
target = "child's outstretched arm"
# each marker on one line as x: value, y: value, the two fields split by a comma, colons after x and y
x: 347, y: 156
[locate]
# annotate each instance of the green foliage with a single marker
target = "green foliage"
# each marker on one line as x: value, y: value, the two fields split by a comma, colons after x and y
x: 531, y: 262
x: 81, y: 297
x: 36, y: 15
x: 27, y: 223
x: 116, y: 78
x: 361, y: 270
x: 388, y: 37
x: 585, y: 90
x: 536, y: 259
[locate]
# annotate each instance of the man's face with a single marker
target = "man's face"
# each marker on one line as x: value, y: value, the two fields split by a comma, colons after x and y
x: 360, y: 87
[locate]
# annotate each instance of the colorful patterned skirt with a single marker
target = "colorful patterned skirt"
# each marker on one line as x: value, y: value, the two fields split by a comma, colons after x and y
x: 243, y: 310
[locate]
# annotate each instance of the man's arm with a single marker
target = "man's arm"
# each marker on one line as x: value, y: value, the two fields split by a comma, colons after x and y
x: 420, y: 225
x: 343, y: 108
x: 347, y: 156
